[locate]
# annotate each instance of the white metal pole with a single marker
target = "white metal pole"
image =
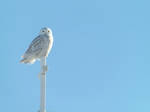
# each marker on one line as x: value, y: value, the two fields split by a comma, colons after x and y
x: 43, y: 85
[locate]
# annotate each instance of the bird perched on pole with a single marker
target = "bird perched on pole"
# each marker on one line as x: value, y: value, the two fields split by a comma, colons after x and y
x: 39, y: 47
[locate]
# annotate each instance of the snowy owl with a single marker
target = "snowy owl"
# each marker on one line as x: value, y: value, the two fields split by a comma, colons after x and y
x: 39, y: 47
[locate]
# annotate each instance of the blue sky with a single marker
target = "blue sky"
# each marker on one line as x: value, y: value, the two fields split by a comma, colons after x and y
x: 99, y: 62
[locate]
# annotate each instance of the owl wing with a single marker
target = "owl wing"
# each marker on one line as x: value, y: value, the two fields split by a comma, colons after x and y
x: 36, y: 46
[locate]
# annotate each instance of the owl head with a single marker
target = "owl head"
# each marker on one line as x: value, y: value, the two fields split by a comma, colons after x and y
x: 45, y: 31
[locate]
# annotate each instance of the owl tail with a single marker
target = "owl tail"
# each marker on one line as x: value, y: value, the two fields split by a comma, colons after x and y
x: 27, y: 60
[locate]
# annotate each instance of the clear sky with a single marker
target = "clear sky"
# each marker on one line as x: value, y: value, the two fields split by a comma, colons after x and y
x: 100, y: 61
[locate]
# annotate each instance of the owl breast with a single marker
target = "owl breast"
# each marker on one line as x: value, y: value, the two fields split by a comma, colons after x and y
x: 48, y: 45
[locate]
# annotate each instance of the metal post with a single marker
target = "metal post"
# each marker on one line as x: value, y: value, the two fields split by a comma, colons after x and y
x: 43, y: 85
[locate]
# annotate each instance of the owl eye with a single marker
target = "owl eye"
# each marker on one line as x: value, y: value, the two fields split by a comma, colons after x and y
x: 43, y: 31
x: 48, y: 30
